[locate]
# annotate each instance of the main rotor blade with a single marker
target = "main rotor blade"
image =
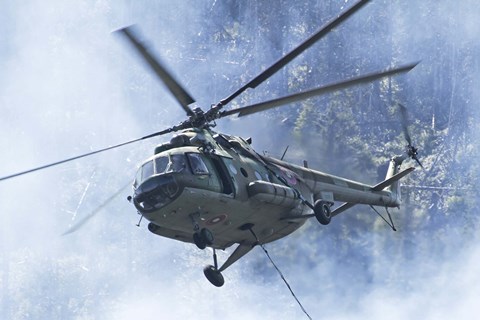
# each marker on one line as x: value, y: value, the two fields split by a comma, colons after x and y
x: 404, y: 121
x: 243, y: 111
x: 182, y: 96
x: 87, y: 154
x: 80, y: 223
x: 295, y: 52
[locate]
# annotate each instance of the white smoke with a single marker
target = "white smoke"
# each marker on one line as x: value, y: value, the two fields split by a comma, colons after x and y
x: 67, y: 87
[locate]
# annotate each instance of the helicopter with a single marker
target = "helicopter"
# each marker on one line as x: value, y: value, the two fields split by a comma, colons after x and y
x: 214, y: 190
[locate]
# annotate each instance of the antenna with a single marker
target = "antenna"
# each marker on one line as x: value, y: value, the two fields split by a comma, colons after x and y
x: 284, y: 153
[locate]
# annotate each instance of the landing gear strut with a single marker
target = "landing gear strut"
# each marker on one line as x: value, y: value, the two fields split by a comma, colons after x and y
x: 212, y: 274
x: 322, y: 211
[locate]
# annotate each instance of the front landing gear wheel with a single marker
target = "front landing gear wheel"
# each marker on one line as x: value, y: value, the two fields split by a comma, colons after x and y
x: 322, y: 212
x: 199, y: 241
x: 214, y: 276
x: 203, y: 238
x: 207, y: 236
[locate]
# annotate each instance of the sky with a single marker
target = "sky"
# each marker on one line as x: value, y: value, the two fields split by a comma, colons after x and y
x: 69, y: 85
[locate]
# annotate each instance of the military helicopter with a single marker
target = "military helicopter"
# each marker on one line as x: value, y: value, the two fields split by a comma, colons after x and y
x: 214, y: 190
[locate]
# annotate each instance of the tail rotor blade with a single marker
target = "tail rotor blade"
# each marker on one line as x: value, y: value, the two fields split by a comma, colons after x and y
x: 419, y: 163
x: 412, y: 152
x: 404, y: 122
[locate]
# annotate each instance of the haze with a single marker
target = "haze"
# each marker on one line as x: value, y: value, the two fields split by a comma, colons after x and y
x: 69, y: 86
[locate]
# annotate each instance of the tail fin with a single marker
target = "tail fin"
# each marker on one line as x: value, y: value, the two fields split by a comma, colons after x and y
x: 394, y: 174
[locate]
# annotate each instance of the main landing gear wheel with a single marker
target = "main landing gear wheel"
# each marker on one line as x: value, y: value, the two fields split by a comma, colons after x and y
x: 198, y: 240
x: 203, y: 238
x: 322, y: 212
x: 214, y: 276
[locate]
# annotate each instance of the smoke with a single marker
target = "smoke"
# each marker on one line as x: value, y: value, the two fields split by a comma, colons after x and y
x: 69, y: 86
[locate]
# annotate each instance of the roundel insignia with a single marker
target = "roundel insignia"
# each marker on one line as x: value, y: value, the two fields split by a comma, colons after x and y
x: 289, y: 176
x: 216, y: 219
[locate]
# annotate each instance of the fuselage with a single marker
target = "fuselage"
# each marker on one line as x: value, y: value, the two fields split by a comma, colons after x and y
x: 219, y: 182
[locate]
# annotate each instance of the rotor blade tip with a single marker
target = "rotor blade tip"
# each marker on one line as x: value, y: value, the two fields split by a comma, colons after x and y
x: 416, y: 63
x: 120, y: 30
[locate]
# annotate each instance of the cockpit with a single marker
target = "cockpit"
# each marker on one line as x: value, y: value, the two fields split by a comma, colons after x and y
x: 160, y: 165
x: 156, y: 182
x: 171, y: 163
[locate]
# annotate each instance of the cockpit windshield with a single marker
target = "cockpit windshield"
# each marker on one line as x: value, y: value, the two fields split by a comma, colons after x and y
x: 177, y: 163
x: 160, y: 165
x: 147, y: 170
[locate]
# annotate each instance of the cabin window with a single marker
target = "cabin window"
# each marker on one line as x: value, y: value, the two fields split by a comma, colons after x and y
x: 197, y: 164
x: 244, y: 172
x: 231, y: 167
x: 147, y: 170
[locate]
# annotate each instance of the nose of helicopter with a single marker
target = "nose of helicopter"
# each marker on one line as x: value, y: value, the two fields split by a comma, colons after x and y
x: 155, y: 193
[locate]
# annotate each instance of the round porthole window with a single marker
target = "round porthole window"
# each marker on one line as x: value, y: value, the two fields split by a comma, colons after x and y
x: 244, y: 172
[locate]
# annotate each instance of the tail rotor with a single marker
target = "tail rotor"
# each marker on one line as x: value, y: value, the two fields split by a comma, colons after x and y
x: 411, y: 151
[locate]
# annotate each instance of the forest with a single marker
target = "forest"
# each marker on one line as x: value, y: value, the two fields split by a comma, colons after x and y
x: 70, y: 86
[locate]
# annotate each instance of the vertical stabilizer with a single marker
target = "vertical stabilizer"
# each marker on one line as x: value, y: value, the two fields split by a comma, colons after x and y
x: 393, y: 169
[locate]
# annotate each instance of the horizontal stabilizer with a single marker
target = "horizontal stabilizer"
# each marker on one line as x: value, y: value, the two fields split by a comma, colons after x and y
x: 343, y: 207
x: 340, y: 209
x: 382, y: 185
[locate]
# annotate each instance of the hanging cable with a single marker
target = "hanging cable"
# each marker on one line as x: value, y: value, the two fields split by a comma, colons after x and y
x: 281, y: 275
x: 286, y: 282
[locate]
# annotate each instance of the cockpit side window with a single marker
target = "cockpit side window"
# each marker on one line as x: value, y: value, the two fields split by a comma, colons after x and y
x: 161, y: 164
x: 172, y: 163
x: 138, y: 178
x: 197, y: 164
x: 176, y: 163
x: 147, y: 170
